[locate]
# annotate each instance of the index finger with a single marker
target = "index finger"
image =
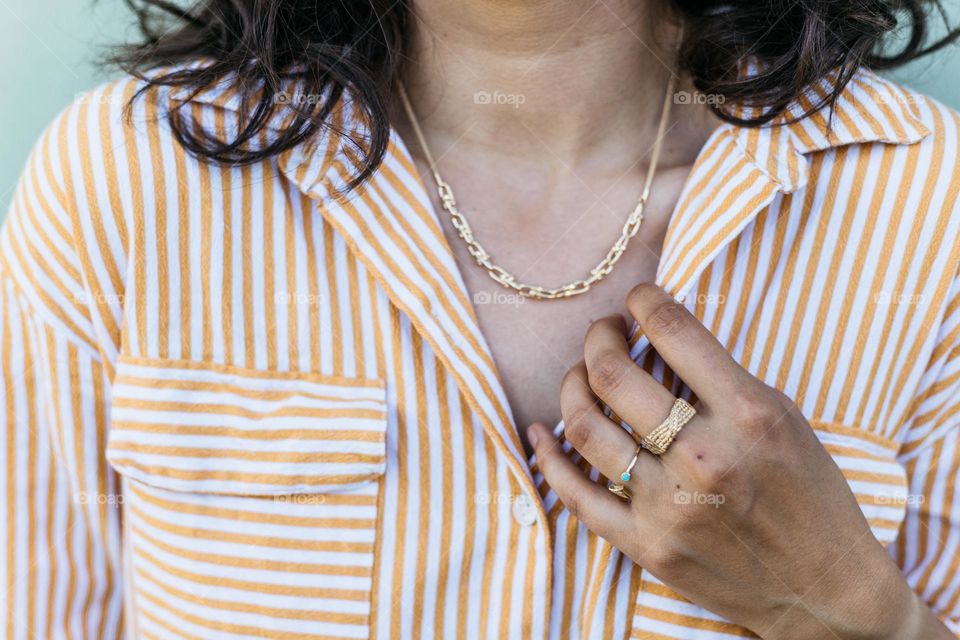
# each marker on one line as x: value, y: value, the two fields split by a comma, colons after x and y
x: 686, y: 345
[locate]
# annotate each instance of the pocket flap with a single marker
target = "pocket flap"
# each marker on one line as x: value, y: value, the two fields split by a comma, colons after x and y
x: 206, y: 428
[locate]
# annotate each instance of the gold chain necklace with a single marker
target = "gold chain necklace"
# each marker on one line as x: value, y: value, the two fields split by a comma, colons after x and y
x: 504, y: 277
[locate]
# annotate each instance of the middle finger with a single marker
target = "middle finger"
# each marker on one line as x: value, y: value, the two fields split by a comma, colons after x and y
x: 602, y: 442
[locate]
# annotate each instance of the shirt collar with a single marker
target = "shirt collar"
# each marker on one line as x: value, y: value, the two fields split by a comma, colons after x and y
x: 225, y: 95
x: 751, y: 166
x: 869, y: 109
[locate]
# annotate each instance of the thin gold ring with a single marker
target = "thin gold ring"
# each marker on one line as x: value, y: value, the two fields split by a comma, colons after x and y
x: 620, y: 489
x: 625, y: 476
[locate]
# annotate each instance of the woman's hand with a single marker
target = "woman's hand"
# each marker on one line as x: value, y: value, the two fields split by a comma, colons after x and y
x: 745, y: 514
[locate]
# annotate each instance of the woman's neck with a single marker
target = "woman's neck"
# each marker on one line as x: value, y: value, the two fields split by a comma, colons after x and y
x: 582, y: 81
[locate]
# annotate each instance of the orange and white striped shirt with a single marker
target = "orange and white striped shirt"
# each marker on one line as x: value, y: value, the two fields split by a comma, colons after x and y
x: 238, y: 406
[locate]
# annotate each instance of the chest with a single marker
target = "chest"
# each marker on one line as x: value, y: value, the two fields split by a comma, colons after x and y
x: 534, y: 342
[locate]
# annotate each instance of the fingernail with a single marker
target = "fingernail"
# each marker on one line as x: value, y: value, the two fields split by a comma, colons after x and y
x: 532, y: 434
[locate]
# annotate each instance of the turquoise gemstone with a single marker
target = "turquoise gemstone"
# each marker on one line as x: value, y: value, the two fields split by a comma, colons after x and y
x: 625, y: 477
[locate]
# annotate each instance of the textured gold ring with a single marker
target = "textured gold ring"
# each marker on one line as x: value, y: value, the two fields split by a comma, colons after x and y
x: 659, y: 440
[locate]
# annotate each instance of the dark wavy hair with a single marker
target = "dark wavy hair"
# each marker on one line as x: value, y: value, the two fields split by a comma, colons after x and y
x: 327, y: 48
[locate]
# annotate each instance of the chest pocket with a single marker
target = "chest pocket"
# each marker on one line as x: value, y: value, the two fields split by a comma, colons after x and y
x: 250, y: 498
x: 876, y: 478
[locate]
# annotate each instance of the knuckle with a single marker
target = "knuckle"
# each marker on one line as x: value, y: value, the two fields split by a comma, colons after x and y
x: 773, y: 397
x: 780, y: 397
x: 573, y: 503
x: 666, y: 320
x: 665, y: 560
x: 711, y: 471
x: 577, y: 427
x: 754, y: 415
x: 715, y: 479
x: 788, y: 406
x: 606, y: 372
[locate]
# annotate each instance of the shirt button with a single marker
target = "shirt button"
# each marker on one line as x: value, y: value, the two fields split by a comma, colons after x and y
x: 524, y: 511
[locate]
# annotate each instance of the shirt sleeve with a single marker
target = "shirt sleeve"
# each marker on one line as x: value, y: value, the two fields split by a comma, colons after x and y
x: 61, y: 558
x: 928, y: 545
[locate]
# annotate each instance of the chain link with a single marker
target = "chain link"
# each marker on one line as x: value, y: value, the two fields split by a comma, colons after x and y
x: 506, y: 279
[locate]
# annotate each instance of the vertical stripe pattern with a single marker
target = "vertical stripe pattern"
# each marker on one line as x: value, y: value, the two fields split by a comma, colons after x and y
x: 240, y: 404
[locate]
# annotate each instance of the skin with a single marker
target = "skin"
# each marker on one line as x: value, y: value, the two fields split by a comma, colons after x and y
x: 547, y: 189
x: 547, y: 185
x: 778, y: 543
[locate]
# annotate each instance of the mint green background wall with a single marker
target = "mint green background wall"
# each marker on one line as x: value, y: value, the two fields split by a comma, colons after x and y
x: 47, y: 53
x: 48, y: 50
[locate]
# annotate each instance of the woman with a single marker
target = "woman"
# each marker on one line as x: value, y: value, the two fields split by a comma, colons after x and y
x: 261, y: 380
